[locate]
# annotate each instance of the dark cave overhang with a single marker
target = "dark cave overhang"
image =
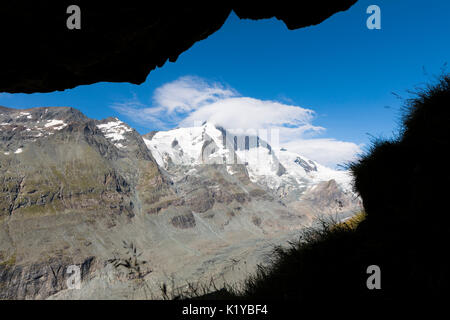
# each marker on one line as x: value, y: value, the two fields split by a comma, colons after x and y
x: 120, y: 42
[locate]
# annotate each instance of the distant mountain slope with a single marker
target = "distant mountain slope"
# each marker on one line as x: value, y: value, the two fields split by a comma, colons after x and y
x: 288, y: 176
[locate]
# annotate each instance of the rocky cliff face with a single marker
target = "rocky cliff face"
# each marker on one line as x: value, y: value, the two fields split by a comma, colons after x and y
x: 75, y: 190
x: 64, y: 179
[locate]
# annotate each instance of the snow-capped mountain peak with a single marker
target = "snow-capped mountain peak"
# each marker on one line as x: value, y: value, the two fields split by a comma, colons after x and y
x: 188, y: 146
x: 279, y: 170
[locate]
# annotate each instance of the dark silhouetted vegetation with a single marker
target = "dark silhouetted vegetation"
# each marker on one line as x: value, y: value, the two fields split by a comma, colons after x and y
x: 404, y: 186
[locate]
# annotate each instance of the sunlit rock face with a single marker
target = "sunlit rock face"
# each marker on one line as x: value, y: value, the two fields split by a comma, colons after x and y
x: 120, y: 42
x: 67, y: 182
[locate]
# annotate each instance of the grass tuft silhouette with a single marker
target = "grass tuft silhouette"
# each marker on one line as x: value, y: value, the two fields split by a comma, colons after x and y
x: 403, y: 183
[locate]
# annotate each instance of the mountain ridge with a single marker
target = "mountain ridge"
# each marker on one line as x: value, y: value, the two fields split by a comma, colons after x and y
x: 76, y: 188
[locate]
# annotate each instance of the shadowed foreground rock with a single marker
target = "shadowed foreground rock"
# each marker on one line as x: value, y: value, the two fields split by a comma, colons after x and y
x: 404, y: 233
x: 120, y: 42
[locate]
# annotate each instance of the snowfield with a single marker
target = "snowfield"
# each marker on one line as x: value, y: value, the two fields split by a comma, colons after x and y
x: 114, y: 131
x: 207, y: 144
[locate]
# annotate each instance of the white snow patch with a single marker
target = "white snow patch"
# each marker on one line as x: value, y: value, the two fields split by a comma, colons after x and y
x: 230, y: 170
x: 23, y: 114
x: 119, y: 145
x: 57, y: 124
x: 18, y: 151
x: 114, y: 130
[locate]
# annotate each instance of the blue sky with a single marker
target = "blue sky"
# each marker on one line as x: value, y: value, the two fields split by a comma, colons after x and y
x: 341, y: 70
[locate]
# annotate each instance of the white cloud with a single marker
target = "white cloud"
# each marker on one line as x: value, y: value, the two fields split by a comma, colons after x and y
x: 329, y: 152
x: 142, y: 114
x: 189, y: 100
x: 189, y: 93
x: 250, y: 113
